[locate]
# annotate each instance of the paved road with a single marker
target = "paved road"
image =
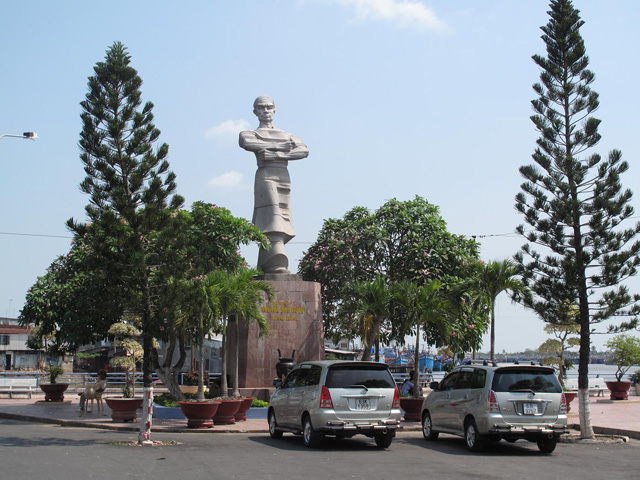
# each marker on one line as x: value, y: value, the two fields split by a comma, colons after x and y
x: 29, y: 450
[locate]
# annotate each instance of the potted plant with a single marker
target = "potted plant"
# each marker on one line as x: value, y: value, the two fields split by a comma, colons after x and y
x: 199, y: 413
x: 190, y: 381
x: 245, y: 405
x: 624, y: 351
x: 124, y: 409
x: 226, y: 413
x: 569, y: 396
x: 636, y: 381
x: 54, y: 391
x: 409, y: 401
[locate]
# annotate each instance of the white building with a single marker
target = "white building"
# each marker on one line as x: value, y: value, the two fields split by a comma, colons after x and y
x: 14, y: 353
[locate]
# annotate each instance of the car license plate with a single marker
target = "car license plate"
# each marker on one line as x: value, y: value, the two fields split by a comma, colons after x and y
x: 530, y: 408
x: 363, y: 404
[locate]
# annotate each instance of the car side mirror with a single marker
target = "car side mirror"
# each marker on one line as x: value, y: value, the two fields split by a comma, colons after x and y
x: 434, y: 385
x: 277, y: 382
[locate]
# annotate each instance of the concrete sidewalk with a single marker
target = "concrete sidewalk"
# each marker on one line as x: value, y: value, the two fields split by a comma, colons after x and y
x: 620, y: 417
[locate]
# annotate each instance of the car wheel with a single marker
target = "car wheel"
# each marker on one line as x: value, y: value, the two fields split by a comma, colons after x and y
x: 427, y: 428
x: 383, y: 440
x: 474, y: 440
x: 547, y: 444
x: 310, y: 437
x: 273, y: 426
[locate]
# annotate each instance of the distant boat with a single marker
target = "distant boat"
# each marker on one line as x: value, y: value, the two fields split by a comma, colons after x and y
x: 426, y: 362
x: 401, y: 360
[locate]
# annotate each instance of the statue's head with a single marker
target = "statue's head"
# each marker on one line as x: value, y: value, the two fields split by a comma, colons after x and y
x: 264, y: 108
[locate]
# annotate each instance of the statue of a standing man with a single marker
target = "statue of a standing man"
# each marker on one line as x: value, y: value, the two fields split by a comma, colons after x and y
x: 272, y: 189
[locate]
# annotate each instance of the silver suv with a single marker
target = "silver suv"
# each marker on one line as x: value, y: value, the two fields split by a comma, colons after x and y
x: 340, y: 398
x: 488, y: 402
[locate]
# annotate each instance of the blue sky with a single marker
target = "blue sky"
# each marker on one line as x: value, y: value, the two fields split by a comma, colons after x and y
x: 393, y: 98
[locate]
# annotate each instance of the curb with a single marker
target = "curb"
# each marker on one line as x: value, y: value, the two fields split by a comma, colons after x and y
x: 406, y: 427
x: 409, y: 427
x: 135, y: 427
x: 618, y: 432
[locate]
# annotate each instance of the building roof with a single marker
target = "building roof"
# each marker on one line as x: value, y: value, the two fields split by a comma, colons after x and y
x: 14, y: 329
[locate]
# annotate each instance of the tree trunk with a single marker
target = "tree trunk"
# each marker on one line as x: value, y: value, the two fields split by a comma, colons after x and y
x: 562, y: 375
x: 200, y: 395
x: 370, y: 340
x: 224, y: 386
x: 584, y: 414
x: 236, y: 355
x: 416, y: 365
x: 144, y: 436
x: 586, y: 430
x: 493, y: 330
x: 167, y: 372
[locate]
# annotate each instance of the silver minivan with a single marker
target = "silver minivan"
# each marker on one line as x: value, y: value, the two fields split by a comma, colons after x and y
x: 339, y: 398
x: 491, y: 402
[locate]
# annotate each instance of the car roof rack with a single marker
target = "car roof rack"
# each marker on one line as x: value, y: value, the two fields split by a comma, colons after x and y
x: 529, y: 363
x: 485, y: 363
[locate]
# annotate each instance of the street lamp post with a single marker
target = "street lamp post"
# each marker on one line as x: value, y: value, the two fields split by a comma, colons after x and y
x: 27, y: 135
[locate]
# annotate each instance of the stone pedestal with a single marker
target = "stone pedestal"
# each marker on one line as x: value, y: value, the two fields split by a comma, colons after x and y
x: 295, y: 320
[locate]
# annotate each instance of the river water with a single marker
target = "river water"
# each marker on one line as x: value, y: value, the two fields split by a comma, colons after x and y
x: 602, y: 370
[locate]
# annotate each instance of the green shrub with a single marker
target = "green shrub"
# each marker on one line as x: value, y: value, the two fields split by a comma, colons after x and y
x: 54, y: 371
x: 165, y: 400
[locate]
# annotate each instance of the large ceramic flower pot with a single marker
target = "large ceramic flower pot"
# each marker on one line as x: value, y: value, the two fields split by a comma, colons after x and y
x: 226, y: 413
x: 241, y: 414
x: 54, y: 392
x: 412, y: 408
x: 124, y: 409
x: 188, y: 388
x: 619, y: 390
x: 569, y: 396
x: 199, y: 414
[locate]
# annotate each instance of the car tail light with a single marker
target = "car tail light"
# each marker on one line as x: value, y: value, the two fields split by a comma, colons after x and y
x: 396, y: 399
x: 492, y: 402
x: 325, y: 398
x: 563, y: 405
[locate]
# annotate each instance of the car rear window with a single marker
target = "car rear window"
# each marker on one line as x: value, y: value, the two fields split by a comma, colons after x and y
x: 343, y: 376
x: 527, y: 379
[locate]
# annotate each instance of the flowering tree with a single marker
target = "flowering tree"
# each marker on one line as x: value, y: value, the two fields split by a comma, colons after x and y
x: 399, y: 241
x: 73, y: 303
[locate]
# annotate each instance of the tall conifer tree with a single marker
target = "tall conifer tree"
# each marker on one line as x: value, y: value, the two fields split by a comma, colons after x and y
x: 574, y: 201
x: 130, y: 192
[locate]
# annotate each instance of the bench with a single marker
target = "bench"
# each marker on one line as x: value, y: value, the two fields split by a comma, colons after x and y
x: 597, y: 387
x: 11, y: 386
x: 425, y: 379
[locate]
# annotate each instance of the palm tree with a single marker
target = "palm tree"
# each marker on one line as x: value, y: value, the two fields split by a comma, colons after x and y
x: 421, y: 305
x: 223, y: 294
x: 203, y: 299
x: 489, y: 281
x: 252, y: 293
x: 370, y: 303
